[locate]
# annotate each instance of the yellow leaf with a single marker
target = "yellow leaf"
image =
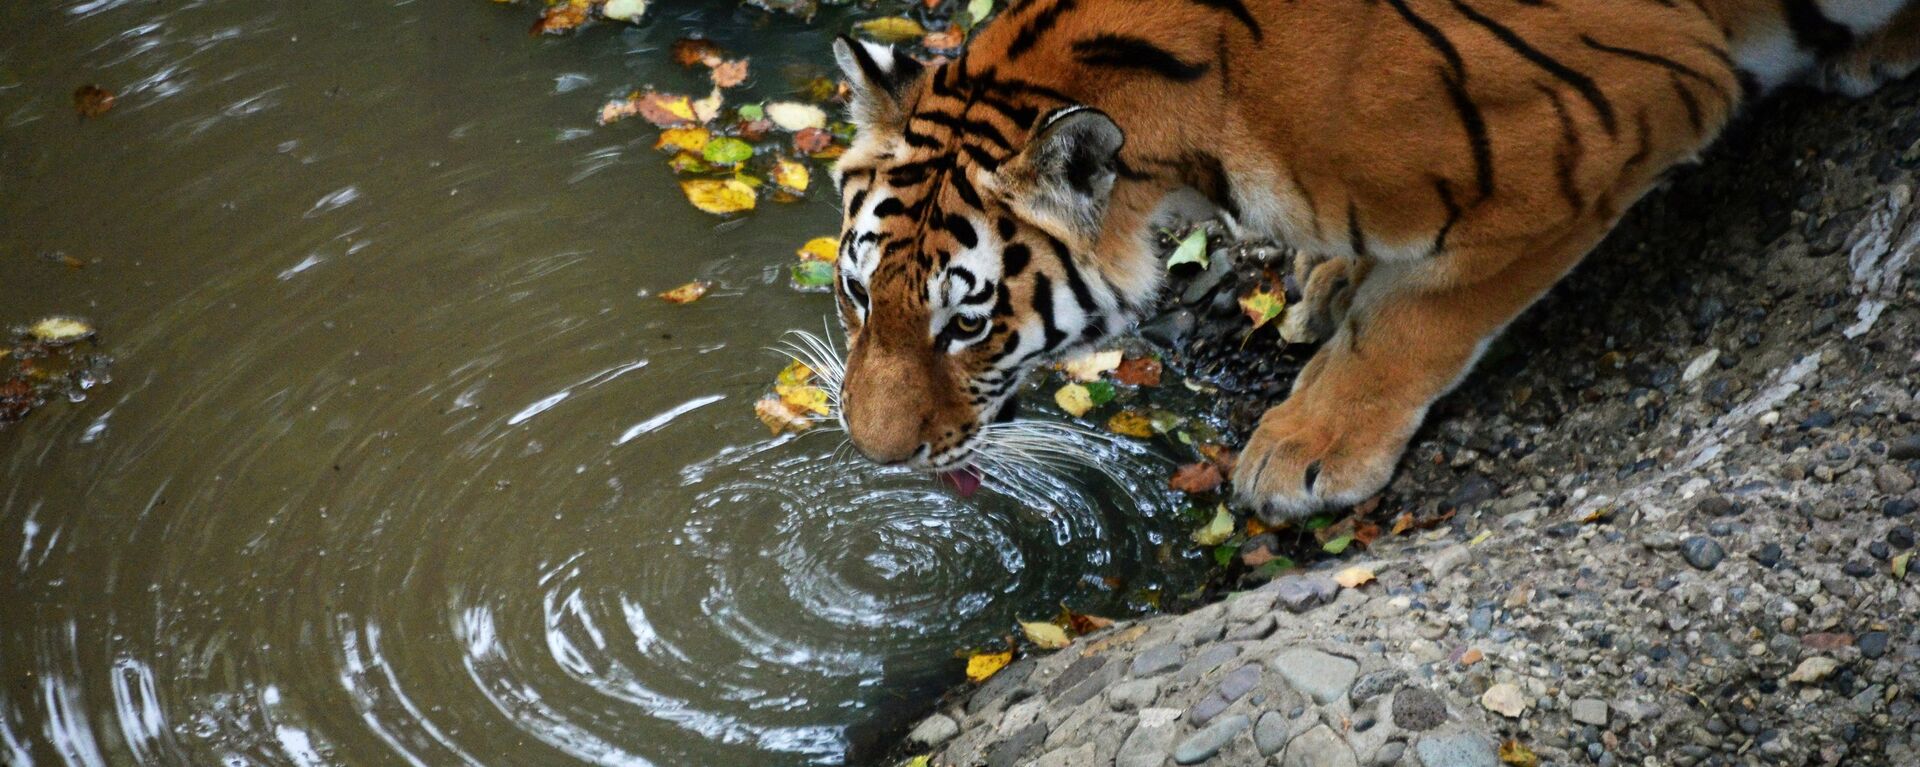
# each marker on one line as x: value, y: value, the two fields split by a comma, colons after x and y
x: 683, y: 139
x: 1218, y: 530
x: 708, y: 108
x: 790, y: 175
x: 1514, y: 753
x: 1045, y: 636
x: 1130, y: 424
x: 1481, y: 538
x: 685, y: 294
x: 1262, y: 306
x: 893, y: 29
x: 922, y: 760
x: 821, y: 249
x: 810, y: 398
x: 1075, y: 399
x: 983, y: 665
x: 719, y: 196
x: 1354, y: 577
x: 779, y: 417
x: 793, y: 116
x: 796, y: 373
x: 60, y: 330
x: 1089, y: 366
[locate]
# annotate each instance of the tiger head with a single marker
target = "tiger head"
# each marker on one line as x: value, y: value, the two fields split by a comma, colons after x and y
x: 977, y: 213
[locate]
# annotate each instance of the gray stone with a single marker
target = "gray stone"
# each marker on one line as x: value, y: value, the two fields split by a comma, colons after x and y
x: 1240, y: 681
x: 1209, y: 707
x: 1004, y: 687
x: 1320, y: 675
x: 1377, y: 683
x: 1447, y: 560
x: 1202, y: 745
x: 1271, y: 733
x: 1319, y: 747
x: 1204, y: 663
x: 1418, y: 709
x: 1080, y: 693
x: 1456, y: 748
x: 1075, y: 674
x: 1021, y: 714
x: 1133, y: 694
x: 1013, y: 750
x: 1261, y: 628
x: 934, y: 730
x: 1075, y: 756
x: 1590, y: 711
x: 1702, y: 552
x: 1250, y: 606
x: 1205, y: 625
x: 1147, y: 746
x: 1300, y: 593
x: 1904, y: 448
x: 1388, y: 755
x: 1157, y: 659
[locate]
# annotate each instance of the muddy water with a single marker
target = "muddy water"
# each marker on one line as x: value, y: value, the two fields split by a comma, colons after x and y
x: 400, y: 464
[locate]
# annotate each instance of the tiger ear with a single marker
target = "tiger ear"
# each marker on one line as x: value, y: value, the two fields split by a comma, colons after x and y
x: 1067, y: 170
x: 881, y: 79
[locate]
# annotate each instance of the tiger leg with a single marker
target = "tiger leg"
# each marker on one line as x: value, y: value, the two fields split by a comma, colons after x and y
x: 1890, y: 54
x: 1326, y: 291
x: 1414, y: 330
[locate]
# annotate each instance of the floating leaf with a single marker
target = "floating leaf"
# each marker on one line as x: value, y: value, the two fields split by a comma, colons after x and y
x: 683, y: 139
x: 719, y: 196
x: 93, y: 100
x: 804, y: 398
x: 728, y: 74
x: 923, y: 760
x: 1129, y: 423
x: 628, y: 11
x: 1220, y: 455
x: 793, y: 116
x: 1075, y: 399
x: 811, y: 140
x: 781, y: 417
x: 981, y: 666
x: 796, y: 373
x: 1089, y: 366
x: 1262, y: 305
x: 1138, y: 371
x: 1045, y: 636
x: 57, y: 331
x: 1101, y: 392
x: 708, y: 108
x: 1080, y: 623
x: 727, y: 151
x: 893, y: 29
x: 1337, y: 545
x: 1353, y: 577
x: 826, y: 249
x: 687, y: 162
x: 1217, y: 530
x: 1200, y: 477
x: 561, y: 17
x: 752, y: 112
x: 688, y: 52
x: 1192, y: 250
x: 686, y: 294
x: 812, y: 275
x: 667, y: 110
x: 790, y: 175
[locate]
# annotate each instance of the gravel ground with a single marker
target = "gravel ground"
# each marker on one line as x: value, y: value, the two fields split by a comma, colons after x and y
x: 1683, y: 484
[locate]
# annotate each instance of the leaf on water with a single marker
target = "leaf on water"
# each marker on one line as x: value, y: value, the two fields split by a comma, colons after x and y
x: 1075, y: 399
x: 793, y: 116
x: 561, y: 17
x: 59, y: 331
x: 708, y: 108
x: 1045, y: 636
x: 684, y: 139
x: 1217, y: 530
x: 1220, y: 455
x: 1101, y: 392
x: 791, y: 175
x: 781, y: 417
x: 1089, y: 366
x: 892, y: 29
x: 825, y: 249
x: 796, y: 373
x: 687, y: 162
x: 628, y: 11
x: 727, y: 150
x: 1353, y: 577
x: 1337, y: 545
x: 811, y: 275
x: 804, y: 398
x: 1138, y: 371
x: 689, y: 52
x: 666, y: 110
x: 1130, y: 423
x: 752, y: 112
x: 981, y: 666
x: 728, y: 74
x: 1192, y: 250
x: 686, y: 294
x: 811, y: 140
x: 1200, y: 477
x: 719, y: 196
x: 92, y: 100
x: 1262, y: 305
x: 1516, y: 754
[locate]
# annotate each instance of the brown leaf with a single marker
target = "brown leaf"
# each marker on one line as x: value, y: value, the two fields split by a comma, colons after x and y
x: 1201, y: 477
x: 1403, y: 523
x: 92, y: 100
x: 1139, y: 371
x: 561, y: 18
x: 1221, y: 456
x: 1081, y: 623
x: 685, y: 294
x: 688, y: 52
x: 1365, y: 533
x: 810, y: 140
x: 728, y: 74
x: 754, y: 130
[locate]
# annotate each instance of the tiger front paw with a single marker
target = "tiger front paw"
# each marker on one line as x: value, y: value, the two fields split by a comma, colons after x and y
x: 1303, y: 459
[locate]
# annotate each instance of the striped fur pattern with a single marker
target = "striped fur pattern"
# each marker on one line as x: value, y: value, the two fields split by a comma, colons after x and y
x: 1451, y: 159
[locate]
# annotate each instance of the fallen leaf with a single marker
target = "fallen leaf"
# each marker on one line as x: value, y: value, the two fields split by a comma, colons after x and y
x: 59, y: 331
x: 1129, y: 423
x: 1257, y: 527
x: 811, y: 140
x: 561, y: 18
x: 1365, y: 533
x: 1353, y: 577
x: 981, y: 666
x: 826, y: 249
x: 686, y: 294
x: 1481, y: 538
x: 1217, y: 530
x: 1101, y: 392
x: 1089, y: 366
x: 892, y: 29
x: 1200, y: 477
x: 1075, y: 399
x: 1337, y: 545
x: 93, y: 100
x: 1081, y: 623
x: 687, y: 162
x: 1138, y: 371
x: 689, y: 52
x: 1124, y: 636
x: 790, y: 175
x: 1262, y: 305
x: 1221, y: 456
x: 810, y: 275
x: 708, y: 108
x: 1403, y: 523
x: 793, y: 116
x: 1192, y: 250
x: 1045, y: 636
x: 628, y: 11
x: 1900, y: 565
x: 1258, y: 557
x: 728, y: 74
x: 727, y: 150
x: 808, y: 398
x: 779, y: 417
x: 683, y: 139
x: 719, y: 196
x: 1514, y: 753
x: 923, y: 760
x: 796, y: 373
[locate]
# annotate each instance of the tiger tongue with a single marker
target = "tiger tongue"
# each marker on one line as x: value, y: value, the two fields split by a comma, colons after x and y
x: 965, y: 480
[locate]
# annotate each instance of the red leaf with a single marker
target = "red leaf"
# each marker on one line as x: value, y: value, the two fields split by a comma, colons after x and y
x: 1201, y: 477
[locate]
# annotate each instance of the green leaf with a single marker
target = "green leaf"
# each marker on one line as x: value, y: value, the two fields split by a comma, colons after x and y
x: 977, y: 11
x: 753, y: 112
x: 1320, y: 522
x: 1218, y: 530
x: 1101, y: 392
x: 1900, y: 565
x: 1192, y: 250
x: 1223, y: 554
x: 1274, y: 567
x: 1337, y: 545
x: 922, y: 760
x: 812, y: 275
x: 727, y: 151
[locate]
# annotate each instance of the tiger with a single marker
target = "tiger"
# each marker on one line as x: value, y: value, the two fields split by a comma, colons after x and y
x: 1441, y: 162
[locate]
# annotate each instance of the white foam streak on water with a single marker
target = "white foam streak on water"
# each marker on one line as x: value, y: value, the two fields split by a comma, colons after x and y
x: 655, y: 423
x: 136, y: 701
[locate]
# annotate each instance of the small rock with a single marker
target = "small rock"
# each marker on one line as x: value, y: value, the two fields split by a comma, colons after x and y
x: 1857, y: 569
x: 1388, y: 754
x: 1322, y: 676
x: 1900, y: 537
x: 1819, y: 419
x: 1590, y: 711
x: 1702, y: 552
x: 1813, y: 670
x: 1300, y: 593
x: 1767, y: 556
x: 1014, y: 750
x: 1898, y: 507
x: 1892, y: 480
x: 1447, y: 560
x: 1905, y: 448
x: 1202, y: 745
x: 1271, y: 733
x: 934, y: 730
x: 1700, y: 365
x: 1472, y: 490
x: 1376, y: 684
x: 1147, y: 745
x: 1456, y: 749
x: 1418, y: 709
x: 1157, y: 659
x: 1319, y: 747
x: 1133, y: 694
x: 1873, y: 644
x: 1505, y: 699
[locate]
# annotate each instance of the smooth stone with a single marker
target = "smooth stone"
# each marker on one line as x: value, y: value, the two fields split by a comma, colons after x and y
x: 1013, y: 750
x: 1240, y: 681
x: 1202, y: 745
x: 1209, y: 707
x: 1590, y: 711
x: 1147, y: 746
x: 1904, y: 448
x: 1702, y: 552
x: 1300, y: 593
x: 934, y: 730
x: 1319, y: 747
x: 1271, y: 733
x: 1000, y: 687
x: 1083, y: 755
x: 1456, y: 749
x: 1075, y: 674
x: 1322, y: 676
x: 1208, y: 660
x: 1418, y: 709
x: 1389, y: 754
x: 1873, y: 644
x: 1448, y: 560
x: 1157, y: 659
x: 1133, y: 694
x: 1250, y: 606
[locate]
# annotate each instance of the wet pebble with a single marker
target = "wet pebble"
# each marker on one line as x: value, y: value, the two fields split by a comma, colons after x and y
x: 1767, y: 555
x: 1857, y: 569
x: 1898, y: 507
x: 1702, y: 552
x: 1900, y: 537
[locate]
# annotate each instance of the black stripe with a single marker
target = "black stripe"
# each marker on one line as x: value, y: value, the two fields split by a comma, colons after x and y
x: 981, y: 157
x: 962, y: 126
x: 1658, y: 61
x: 920, y: 140
x: 1645, y: 137
x: 964, y: 187
x: 1081, y: 294
x: 1814, y: 31
x: 1127, y: 52
x: 961, y: 229
x: 890, y: 207
x: 1015, y: 260
x: 1007, y: 346
x: 1445, y: 191
x: 1455, y: 79
x: 1043, y: 306
x: 1239, y: 11
x: 1013, y: 86
x: 1567, y: 159
x: 1356, y: 237
x: 1580, y: 82
x: 1003, y: 301
x: 1042, y: 22
x: 1687, y: 100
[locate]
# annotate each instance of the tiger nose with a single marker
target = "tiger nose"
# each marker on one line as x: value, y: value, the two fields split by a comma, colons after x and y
x: 889, y: 449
